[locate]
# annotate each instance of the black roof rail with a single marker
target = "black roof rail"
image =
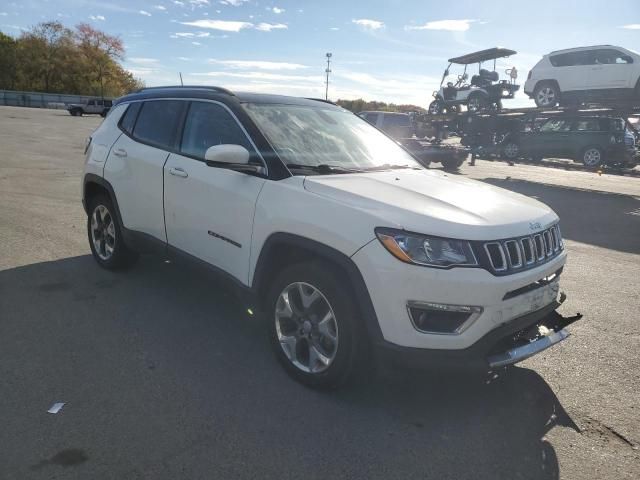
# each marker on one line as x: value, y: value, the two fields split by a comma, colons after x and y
x: 199, y: 87
x: 322, y: 100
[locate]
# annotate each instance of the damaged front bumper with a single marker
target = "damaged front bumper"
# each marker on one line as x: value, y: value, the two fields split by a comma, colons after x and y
x: 508, y: 344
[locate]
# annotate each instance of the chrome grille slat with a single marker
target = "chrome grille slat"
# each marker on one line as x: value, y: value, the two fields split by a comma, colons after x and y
x: 517, y: 254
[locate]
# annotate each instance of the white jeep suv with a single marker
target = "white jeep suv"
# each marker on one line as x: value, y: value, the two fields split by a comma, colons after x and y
x: 343, y: 242
x: 595, y: 74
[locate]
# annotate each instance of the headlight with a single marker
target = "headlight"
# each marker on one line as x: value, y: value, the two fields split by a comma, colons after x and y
x: 425, y: 250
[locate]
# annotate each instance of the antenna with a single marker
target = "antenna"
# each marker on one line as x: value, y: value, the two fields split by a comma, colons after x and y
x: 327, y: 71
x: 181, y: 84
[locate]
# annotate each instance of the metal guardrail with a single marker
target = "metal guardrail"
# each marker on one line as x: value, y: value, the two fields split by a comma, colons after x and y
x: 16, y: 98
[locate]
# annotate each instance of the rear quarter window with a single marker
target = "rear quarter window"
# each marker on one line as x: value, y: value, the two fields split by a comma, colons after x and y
x: 588, y: 125
x: 129, y: 118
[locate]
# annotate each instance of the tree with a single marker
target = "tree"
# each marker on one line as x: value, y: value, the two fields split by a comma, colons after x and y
x: 360, y: 105
x: 53, y: 58
x: 100, y: 51
x: 8, y: 63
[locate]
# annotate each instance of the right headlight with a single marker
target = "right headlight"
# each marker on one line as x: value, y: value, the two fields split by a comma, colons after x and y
x: 426, y: 250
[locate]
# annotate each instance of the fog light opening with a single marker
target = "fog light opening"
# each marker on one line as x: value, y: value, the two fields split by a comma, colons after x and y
x: 442, y: 319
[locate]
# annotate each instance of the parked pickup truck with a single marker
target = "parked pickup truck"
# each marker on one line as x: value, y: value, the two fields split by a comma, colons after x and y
x: 96, y: 106
x: 331, y: 233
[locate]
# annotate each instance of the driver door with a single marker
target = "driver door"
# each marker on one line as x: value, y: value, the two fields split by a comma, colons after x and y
x: 209, y: 210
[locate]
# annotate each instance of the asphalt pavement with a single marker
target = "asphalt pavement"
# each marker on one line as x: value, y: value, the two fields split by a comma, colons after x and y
x: 165, y: 375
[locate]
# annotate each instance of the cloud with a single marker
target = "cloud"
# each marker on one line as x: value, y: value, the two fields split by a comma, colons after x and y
x: 224, y: 25
x: 199, y: 3
x: 190, y: 35
x: 4, y: 14
x: 259, y: 64
x: 196, y: 43
x: 449, y: 25
x: 267, y: 27
x: 159, y: 7
x: 277, y: 10
x: 368, y: 24
x: 184, y: 59
x: 632, y: 26
x: 145, y: 13
x: 143, y: 60
x: 335, y: 29
x: 178, y: 2
x: 235, y: 3
x: 97, y: 17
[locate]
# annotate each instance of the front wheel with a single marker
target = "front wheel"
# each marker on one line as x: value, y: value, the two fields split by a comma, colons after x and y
x: 105, y: 237
x: 592, y: 157
x: 313, y: 325
x: 435, y: 107
x: 452, y: 164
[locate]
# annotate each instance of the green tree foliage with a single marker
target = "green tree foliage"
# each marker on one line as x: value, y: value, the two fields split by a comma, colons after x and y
x: 55, y: 59
x: 360, y: 105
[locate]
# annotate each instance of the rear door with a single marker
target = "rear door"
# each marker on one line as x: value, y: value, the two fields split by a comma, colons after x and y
x: 571, y: 70
x: 588, y: 131
x: 209, y: 210
x: 135, y: 164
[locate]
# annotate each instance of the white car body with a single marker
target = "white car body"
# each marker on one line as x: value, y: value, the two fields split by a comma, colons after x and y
x: 179, y: 202
x: 597, y: 73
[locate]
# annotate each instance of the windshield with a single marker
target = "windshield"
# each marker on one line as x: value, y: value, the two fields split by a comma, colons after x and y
x: 311, y: 137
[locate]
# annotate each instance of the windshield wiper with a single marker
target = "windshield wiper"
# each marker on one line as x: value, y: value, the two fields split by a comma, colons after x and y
x: 323, y: 168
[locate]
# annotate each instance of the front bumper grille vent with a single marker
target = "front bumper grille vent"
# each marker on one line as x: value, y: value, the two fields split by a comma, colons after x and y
x: 512, y: 255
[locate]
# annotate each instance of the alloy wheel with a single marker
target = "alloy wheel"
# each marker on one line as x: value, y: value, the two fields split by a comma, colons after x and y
x: 511, y: 150
x: 306, y: 327
x: 103, y: 232
x: 592, y: 157
x: 546, y: 96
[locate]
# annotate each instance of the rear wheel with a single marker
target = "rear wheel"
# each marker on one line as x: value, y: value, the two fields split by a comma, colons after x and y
x: 452, y: 163
x: 105, y: 237
x: 313, y: 325
x: 546, y: 95
x: 477, y: 103
x: 592, y: 157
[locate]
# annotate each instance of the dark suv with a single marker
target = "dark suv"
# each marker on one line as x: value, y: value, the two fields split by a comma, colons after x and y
x: 590, y: 140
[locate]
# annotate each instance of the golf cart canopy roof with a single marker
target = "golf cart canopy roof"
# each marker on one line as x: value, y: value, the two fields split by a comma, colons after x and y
x: 483, y: 55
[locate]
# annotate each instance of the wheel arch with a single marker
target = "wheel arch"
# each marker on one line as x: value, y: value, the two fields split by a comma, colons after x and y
x: 95, y: 185
x: 283, y: 249
x: 547, y: 80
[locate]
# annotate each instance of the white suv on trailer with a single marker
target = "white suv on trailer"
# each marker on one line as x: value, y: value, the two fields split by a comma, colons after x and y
x: 597, y: 74
x: 343, y: 242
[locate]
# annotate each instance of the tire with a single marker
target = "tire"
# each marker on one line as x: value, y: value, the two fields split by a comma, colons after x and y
x: 510, y: 150
x: 477, y: 103
x: 317, y: 338
x: 74, y: 112
x: 452, y: 164
x: 592, y: 157
x: 546, y: 95
x: 435, y: 107
x: 105, y: 237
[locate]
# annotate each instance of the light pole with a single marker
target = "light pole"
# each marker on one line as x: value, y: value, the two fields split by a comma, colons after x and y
x: 327, y: 71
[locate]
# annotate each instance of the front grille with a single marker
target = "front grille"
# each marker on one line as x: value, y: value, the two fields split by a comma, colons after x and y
x: 513, y: 255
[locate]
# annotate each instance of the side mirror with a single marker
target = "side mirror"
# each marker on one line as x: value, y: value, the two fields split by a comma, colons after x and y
x: 227, y: 153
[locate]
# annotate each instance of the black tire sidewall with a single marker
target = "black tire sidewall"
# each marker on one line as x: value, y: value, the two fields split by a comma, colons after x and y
x: 540, y: 87
x: 328, y: 282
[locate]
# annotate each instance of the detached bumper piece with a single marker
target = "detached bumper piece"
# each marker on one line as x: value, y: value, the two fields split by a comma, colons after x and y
x: 531, y: 341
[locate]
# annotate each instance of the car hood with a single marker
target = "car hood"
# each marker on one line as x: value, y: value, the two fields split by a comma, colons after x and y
x: 435, y: 202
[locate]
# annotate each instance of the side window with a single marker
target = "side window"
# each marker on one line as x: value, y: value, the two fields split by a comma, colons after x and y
x: 587, y: 125
x: 571, y: 59
x: 210, y: 124
x: 556, y: 125
x: 129, y: 118
x: 371, y: 118
x: 158, y: 122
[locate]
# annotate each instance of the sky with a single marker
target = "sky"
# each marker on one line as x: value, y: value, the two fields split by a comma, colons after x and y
x: 393, y: 51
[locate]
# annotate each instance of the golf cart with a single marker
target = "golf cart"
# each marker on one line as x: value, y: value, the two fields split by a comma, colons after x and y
x: 484, y: 92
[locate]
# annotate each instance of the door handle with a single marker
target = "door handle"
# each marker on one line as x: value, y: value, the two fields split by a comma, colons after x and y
x: 120, y: 152
x: 178, y: 172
